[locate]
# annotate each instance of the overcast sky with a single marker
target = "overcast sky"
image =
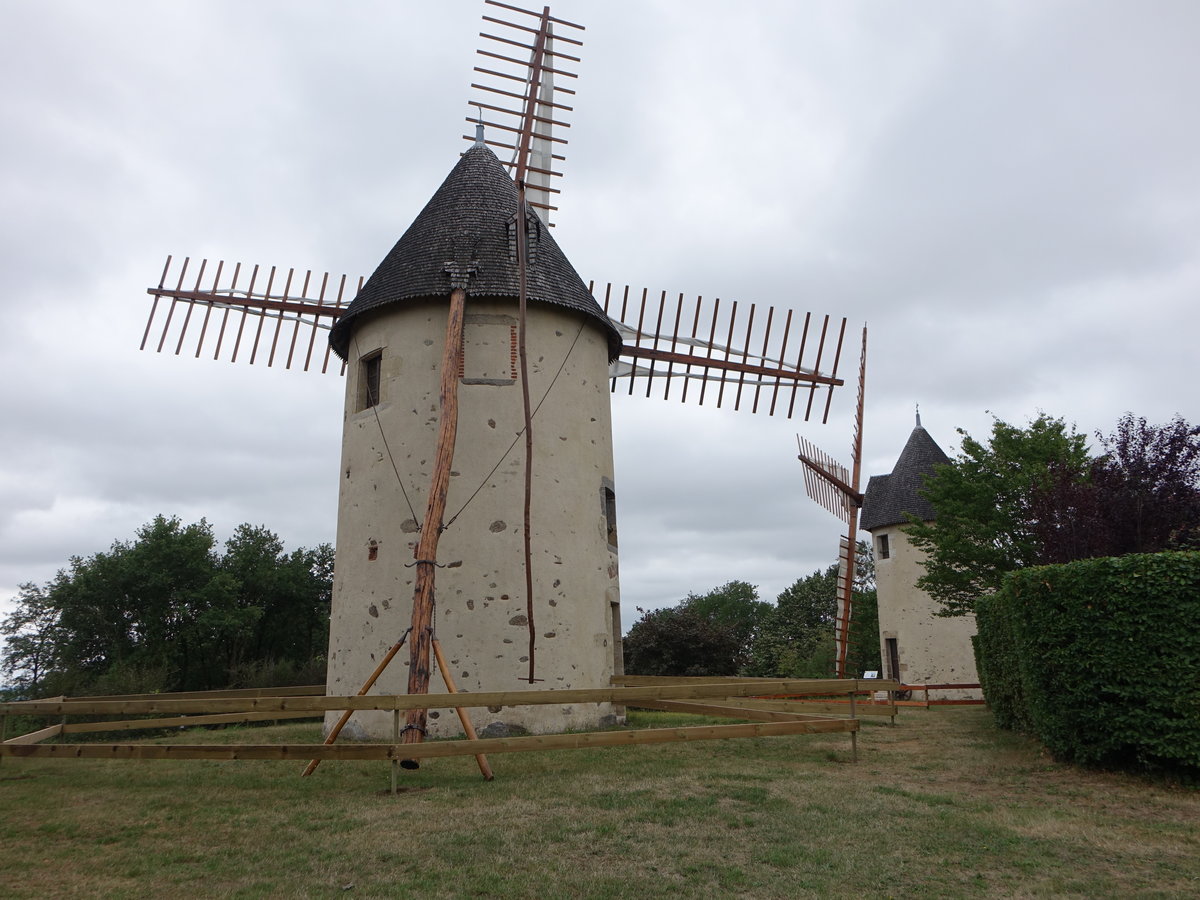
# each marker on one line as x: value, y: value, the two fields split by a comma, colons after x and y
x: 1008, y: 193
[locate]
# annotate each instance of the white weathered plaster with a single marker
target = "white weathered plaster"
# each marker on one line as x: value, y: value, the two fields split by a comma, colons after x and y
x: 480, y: 614
x: 932, y: 648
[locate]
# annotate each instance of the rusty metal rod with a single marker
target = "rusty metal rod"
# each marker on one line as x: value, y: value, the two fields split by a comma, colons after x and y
x: 187, y: 317
x: 154, y: 306
x: 542, y: 15
x: 208, y: 309
x: 513, y: 94
x: 787, y: 327
x: 526, y: 28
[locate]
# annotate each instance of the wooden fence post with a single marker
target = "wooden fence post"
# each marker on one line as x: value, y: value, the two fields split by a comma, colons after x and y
x: 395, y: 741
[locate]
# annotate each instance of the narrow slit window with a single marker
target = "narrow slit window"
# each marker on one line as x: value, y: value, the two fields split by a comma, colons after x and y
x: 884, y: 550
x: 609, y: 497
x: 892, y: 646
x: 368, y: 392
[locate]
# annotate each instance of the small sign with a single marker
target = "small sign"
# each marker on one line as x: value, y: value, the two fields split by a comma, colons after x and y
x: 874, y: 674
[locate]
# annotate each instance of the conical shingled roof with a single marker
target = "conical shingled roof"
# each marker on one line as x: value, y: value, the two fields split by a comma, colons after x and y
x: 468, y: 227
x: 890, y: 497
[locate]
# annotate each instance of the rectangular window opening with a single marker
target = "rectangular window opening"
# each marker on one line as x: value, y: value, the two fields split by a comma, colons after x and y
x: 610, y: 515
x: 885, y: 551
x: 892, y: 646
x: 368, y: 384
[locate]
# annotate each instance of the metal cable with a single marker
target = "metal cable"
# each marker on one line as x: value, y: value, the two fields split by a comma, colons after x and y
x: 520, y: 433
x: 387, y: 447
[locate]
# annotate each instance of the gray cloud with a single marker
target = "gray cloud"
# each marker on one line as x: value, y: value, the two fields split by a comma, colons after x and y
x: 1005, y: 192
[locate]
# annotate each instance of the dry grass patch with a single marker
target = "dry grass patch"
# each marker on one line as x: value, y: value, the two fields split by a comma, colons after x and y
x: 941, y: 805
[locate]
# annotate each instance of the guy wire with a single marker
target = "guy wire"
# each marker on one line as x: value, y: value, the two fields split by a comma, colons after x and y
x: 387, y: 447
x: 504, y: 455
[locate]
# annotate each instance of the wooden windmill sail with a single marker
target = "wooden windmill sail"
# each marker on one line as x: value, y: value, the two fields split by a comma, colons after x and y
x: 835, y: 488
x: 474, y: 335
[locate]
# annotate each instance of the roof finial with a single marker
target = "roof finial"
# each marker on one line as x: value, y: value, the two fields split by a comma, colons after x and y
x: 918, y: 415
x: 479, y: 130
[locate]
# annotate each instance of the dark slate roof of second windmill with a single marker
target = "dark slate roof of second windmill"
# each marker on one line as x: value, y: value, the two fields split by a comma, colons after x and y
x: 890, y: 497
x: 467, y: 223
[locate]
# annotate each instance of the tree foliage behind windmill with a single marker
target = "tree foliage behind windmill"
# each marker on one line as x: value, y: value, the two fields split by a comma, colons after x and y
x: 1035, y: 496
x: 730, y: 631
x: 796, y: 639
x: 168, y: 612
x: 706, y: 634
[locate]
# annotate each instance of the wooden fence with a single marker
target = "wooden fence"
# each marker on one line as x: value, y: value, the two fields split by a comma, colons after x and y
x: 920, y: 695
x: 734, y: 698
x: 844, y: 703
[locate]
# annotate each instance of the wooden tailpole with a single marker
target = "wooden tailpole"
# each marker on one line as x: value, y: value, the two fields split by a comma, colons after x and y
x: 431, y: 526
x: 421, y: 630
x: 468, y: 728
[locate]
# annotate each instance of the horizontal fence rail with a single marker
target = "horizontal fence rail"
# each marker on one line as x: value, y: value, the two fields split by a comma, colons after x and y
x: 622, y: 695
x: 845, y: 701
x: 305, y: 752
x: 773, y: 706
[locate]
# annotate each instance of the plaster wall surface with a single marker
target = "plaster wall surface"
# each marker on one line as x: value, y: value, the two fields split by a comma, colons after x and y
x: 480, y: 614
x: 931, y: 648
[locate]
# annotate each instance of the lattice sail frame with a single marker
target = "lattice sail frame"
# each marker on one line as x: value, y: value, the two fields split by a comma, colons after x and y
x: 531, y: 114
x: 243, y: 305
x: 836, y: 489
x: 742, y: 359
x: 705, y: 342
x: 753, y: 361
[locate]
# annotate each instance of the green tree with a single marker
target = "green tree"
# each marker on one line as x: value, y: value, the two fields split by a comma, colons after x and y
x: 678, y: 640
x: 278, y: 610
x: 1142, y: 495
x: 863, y: 653
x: 986, y: 502
x: 30, y: 633
x: 129, y: 617
x: 166, y: 611
x: 734, y: 605
x: 706, y: 634
x: 796, y: 639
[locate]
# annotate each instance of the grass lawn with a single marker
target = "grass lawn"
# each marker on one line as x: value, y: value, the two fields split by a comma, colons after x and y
x: 942, y: 805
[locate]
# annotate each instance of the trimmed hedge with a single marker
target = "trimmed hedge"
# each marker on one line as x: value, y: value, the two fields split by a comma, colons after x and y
x: 998, y: 665
x: 1099, y: 659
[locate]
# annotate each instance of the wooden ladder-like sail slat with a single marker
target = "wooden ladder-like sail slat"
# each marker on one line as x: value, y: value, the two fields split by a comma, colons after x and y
x: 715, y: 347
x: 533, y: 105
x: 836, y: 489
x: 744, y: 353
x: 255, y: 307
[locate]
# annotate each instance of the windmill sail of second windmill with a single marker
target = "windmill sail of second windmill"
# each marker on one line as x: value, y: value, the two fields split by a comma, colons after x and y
x: 525, y: 592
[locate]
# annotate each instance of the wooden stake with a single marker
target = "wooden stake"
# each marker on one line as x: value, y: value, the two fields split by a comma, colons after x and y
x: 395, y: 740
x: 468, y: 728
x: 367, y: 685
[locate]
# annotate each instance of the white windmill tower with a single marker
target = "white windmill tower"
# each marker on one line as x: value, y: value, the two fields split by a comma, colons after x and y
x: 478, y: 497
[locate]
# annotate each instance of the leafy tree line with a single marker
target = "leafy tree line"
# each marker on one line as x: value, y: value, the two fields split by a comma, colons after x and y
x: 730, y: 631
x: 169, y: 611
x: 1037, y: 496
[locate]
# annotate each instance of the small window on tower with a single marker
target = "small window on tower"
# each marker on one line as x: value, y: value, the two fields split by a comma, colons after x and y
x: 609, y: 498
x: 884, y: 550
x: 368, y: 380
